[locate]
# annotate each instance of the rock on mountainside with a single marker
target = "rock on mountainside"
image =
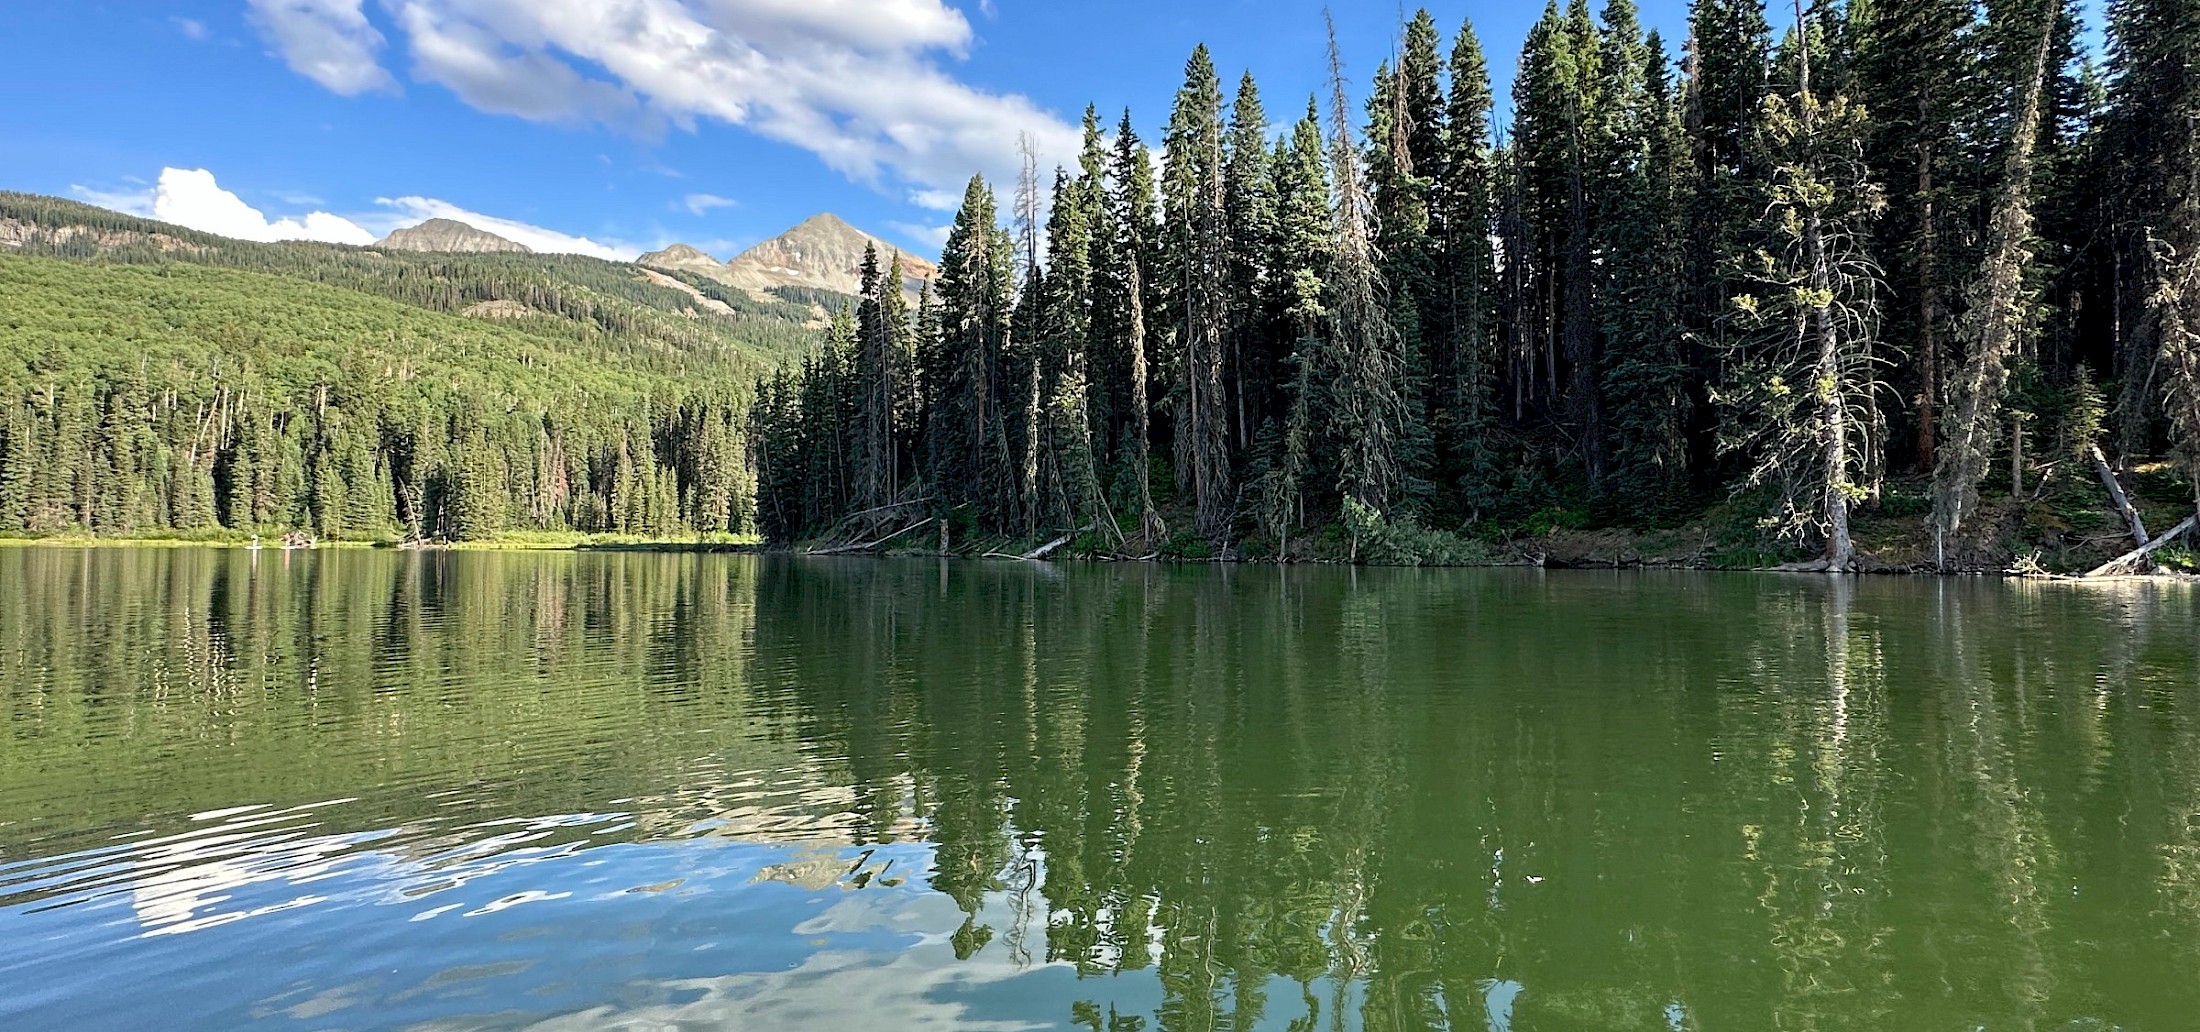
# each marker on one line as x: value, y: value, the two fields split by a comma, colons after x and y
x: 823, y: 253
x: 682, y: 258
x: 446, y: 235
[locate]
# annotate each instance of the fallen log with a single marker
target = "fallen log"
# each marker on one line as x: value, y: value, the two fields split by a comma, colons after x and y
x: 1051, y: 547
x: 2116, y: 494
x: 872, y: 544
x: 2131, y: 560
x: 878, y: 511
x: 1810, y: 566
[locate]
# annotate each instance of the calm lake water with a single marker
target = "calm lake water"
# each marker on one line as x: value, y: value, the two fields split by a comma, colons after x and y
x: 354, y: 790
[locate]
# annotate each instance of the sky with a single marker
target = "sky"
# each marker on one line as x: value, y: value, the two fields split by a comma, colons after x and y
x: 610, y: 127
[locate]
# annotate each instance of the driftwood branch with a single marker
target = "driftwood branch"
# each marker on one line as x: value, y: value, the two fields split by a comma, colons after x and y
x: 881, y: 510
x: 873, y: 544
x: 1051, y: 547
x: 2132, y: 559
x: 2116, y: 494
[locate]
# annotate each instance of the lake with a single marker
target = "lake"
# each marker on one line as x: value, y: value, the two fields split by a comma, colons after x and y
x: 366, y: 789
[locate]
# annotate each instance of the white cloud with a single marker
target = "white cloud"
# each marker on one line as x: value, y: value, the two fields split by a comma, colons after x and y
x: 406, y: 211
x: 859, y: 83
x: 328, y: 41
x: 937, y: 200
x: 192, y: 28
x: 703, y: 203
x: 192, y: 198
x: 934, y: 236
x: 475, y: 64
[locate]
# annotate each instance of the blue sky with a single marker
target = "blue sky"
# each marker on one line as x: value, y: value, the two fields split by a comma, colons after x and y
x: 613, y: 126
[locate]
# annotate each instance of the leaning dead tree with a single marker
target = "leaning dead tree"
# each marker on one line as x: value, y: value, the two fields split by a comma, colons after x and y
x: 2002, y: 312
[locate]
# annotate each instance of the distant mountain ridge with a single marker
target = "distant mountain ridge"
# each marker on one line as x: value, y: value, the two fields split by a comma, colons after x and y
x: 824, y: 252
x: 564, y: 296
x: 682, y: 258
x: 448, y: 235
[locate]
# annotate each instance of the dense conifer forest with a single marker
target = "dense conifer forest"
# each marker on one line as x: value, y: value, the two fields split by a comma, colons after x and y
x: 1929, y: 265
x: 1918, y: 261
x: 156, y: 382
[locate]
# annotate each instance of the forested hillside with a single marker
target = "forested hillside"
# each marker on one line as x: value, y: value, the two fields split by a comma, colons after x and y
x: 1904, y: 261
x: 154, y: 380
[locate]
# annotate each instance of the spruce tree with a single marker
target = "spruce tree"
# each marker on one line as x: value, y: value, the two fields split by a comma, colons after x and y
x: 875, y: 378
x: 1249, y: 204
x: 1197, y: 258
x: 2173, y: 302
x: 1302, y: 259
x: 1075, y: 491
x: 1467, y: 362
x: 1405, y: 160
x: 2145, y: 138
x: 967, y: 436
x: 1646, y: 371
x: 1726, y: 67
x: 1914, y: 60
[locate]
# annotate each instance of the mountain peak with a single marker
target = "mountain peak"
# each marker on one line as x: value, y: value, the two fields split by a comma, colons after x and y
x: 449, y: 235
x: 822, y: 252
x: 679, y: 256
x: 825, y: 219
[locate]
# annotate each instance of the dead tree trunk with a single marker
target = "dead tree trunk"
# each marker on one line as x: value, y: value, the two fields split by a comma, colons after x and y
x: 2116, y: 494
x: 2131, y: 560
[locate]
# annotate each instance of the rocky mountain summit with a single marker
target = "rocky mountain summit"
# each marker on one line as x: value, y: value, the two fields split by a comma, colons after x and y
x: 449, y: 235
x: 824, y: 252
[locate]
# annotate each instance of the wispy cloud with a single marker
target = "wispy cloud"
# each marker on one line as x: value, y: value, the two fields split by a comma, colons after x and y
x: 862, y: 84
x: 328, y: 41
x: 933, y: 237
x: 192, y: 28
x: 703, y: 203
x: 138, y: 202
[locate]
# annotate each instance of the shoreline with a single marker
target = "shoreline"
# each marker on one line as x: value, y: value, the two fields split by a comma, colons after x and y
x: 592, y: 543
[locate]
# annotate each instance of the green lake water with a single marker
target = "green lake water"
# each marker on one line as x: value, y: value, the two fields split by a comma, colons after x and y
x: 375, y: 790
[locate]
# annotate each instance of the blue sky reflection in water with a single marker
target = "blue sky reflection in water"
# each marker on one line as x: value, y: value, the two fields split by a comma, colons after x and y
x: 379, y: 790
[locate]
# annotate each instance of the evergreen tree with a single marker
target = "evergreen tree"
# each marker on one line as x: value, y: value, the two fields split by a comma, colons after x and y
x: 1197, y: 257
x: 2145, y: 138
x: 1559, y: 116
x: 1249, y: 205
x: 1467, y: 365
x: 1298, y: 288
x: 968, y: 445
x: 1365, y: 404
x: 1646, y: 370
x: 1405, y: 161
x: 1126, y: 302
x: 2173, y: 303
x: 1726, y: 67
x: 1914, y: 60
x: 877, y: 340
